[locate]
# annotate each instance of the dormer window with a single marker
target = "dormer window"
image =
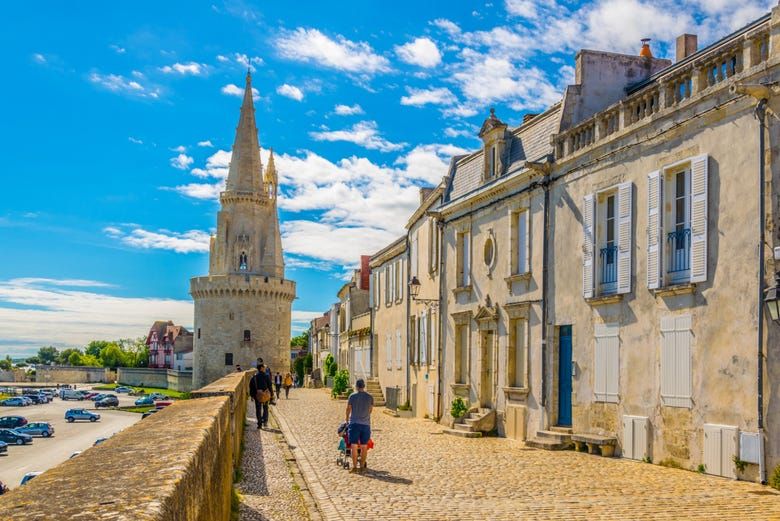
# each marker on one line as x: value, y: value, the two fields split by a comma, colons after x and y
x: 493, y: 161
x: 494, y: 136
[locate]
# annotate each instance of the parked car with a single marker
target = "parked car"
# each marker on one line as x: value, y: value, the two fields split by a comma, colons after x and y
x: 27, y: 477
x: 26, y: 400
x: 149, y: 413
x: 159, y: 396
x: 12, y: 422
x: 99, y: 441
x: 70, y: 394
x: 123, y: 390
x: 81, y: 414
x: 89, y: 395
x: 44, y: 429
x: 100, y: 396
x: 145, y: 400
x: 35, y: 399
x: 108, y: 401
x: 74, y: 454
x: 16, y: 401
x: 3, y: 447
x: 12, y: 436
x: 162, y: 405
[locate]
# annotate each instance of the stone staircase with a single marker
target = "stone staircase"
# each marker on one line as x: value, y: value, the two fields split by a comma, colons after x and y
x: 557, y: 438
x: 474, y: 424
x: 375, y: 389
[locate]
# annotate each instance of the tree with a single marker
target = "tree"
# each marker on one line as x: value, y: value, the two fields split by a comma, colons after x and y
x: 301, y: 340
x: 47, y: 355
x: 63, y: 357
x: 33, y: 360
x: 95, y: 347
x: 113, y: 356
x: 74, y: 358
x: 6, y: 364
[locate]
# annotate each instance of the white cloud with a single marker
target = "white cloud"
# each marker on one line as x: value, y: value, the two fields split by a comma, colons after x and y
x: 348, y: 110
x: 312, y: 46
x: 206, y: 143
x: 192, y: 241
x: 290, y: 91
x: 121, y: 85
x: 420, y: 51
x: 39, y: 58
x: 217, y: 165
x: 522, y: 8
x: 447, y: 26
x: 117, y: 49
x: 460, y: 132
x: 62, y: 313
x: 181, y: 162
x: 201, y: 190
x: 364, y: 133
x: 420, y: 97
x: 343, y: 245
x: 180, y: 148
x: 193, y: 68
x: 429, y: 163
x: 135, y: 140
x: 234, y: 90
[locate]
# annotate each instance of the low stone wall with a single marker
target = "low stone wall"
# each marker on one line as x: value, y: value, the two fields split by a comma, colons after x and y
x: 176, y: 465
x: 180, y: 380
x: 142, y: 377
x: 63, y: 374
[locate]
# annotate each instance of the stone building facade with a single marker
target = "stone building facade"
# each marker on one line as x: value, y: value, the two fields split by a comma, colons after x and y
x: 243, y: 306
x: 354, y: 324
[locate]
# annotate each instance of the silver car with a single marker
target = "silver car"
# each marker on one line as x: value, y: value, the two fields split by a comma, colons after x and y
x: 44, y: 429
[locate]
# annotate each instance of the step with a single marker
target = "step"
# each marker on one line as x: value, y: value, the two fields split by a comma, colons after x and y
x: 562, y: 430
x: 464, y: 427
x: 559, y: 437
x: 462, y: 434
x: 474, y: 416
x: 547, y: 444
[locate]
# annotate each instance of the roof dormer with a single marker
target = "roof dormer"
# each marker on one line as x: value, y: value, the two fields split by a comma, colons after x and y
x: 494, y: 139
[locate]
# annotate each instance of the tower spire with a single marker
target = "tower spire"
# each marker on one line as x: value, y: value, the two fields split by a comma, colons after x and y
x: 270, y: 178
x: 245, y: 166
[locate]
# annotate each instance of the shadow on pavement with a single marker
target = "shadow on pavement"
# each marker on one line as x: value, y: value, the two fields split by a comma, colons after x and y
x: 383, y: 475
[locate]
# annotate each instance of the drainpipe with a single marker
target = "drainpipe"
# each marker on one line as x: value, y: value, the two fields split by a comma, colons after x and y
x: 762, y: 93
x: 545, y: 255
x: 408, y: 310
x: 442, y: 285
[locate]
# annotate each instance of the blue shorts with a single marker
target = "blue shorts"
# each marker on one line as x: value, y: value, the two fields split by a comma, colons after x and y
x: 359, y: 433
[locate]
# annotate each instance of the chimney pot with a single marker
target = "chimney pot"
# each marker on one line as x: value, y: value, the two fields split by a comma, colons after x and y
x: 645, y: 51
x: 687, y: 44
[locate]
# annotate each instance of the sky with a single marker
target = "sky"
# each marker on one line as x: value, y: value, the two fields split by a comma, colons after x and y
x: 117, y: 119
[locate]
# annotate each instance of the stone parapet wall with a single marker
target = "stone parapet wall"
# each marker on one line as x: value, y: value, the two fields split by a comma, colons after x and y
x: 179, y: 380
x: 189, y: 478
x: 71, y: 374
x: 142, y: 377
x: 249, y: 285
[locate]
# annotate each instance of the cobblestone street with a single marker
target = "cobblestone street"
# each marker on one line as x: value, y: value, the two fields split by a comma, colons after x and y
x: 415, y: 472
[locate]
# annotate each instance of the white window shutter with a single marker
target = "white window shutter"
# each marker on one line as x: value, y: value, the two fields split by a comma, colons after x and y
x: 434, y: 331
x: 600, y: 367
x: 607, y: 366
x: 676, y: 361
x: 668, y: 358
x: 389, y: 350
x: 423, y: 339
x: 466, y: 259
x: 588, y: 217
x: 398, y: 349
x: 699, y: 174
x: 612, y: 355
x: 386, y: 272
x: 654, y: 229
x: 371, y: 289
x: 522, y: 242
x: 624, y: 236
x: 628, y: 437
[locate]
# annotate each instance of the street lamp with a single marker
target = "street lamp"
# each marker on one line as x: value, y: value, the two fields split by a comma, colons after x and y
x: 414, y: 290
x: 772, y: 299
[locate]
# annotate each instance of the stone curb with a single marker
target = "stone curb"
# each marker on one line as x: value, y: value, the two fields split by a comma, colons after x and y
x: 324, y: 503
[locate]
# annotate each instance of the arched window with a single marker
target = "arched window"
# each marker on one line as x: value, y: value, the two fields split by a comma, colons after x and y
x: 242, y: 265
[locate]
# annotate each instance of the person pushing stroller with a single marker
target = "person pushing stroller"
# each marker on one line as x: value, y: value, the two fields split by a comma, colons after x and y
x: 358, y: 414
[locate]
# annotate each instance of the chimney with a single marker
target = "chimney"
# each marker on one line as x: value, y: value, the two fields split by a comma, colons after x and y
x: 528, y: 117
x: 645, y: 52
x: 365, y: 271
x: 686, y: 45
x: 424, y: 193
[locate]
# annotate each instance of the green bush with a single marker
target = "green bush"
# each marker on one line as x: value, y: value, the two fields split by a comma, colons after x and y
x: 340, y: 382
x: 328, y: 362
x: 458, y: 408
x: 774, y: 479
x: 334, y: 367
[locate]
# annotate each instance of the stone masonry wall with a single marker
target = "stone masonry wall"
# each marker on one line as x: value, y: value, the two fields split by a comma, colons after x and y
x: 70, y: 375
x: 196, y: 446
x: 142, y: 377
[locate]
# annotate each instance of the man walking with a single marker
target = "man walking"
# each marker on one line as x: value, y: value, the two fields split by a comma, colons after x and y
x: 359, y: 407
x: 260, y: 389
x: 278, y: 383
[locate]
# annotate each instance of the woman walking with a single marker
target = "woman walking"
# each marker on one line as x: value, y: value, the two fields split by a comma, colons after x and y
x: 288, y: 382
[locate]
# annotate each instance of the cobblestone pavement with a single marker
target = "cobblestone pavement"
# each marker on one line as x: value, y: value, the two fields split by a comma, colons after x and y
x: 268, y: 489
x: 417, y: 473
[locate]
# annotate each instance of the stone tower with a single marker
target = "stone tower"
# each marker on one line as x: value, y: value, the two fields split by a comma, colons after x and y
x: 243, y: 306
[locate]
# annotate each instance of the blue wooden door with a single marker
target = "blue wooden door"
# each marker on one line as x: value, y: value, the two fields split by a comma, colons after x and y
x: 564, y: 376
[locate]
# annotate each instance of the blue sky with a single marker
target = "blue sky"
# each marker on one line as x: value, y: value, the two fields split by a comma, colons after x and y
x: 117, y: 123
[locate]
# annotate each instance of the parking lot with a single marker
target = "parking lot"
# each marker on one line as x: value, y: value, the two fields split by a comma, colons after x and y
x: 45, y: 453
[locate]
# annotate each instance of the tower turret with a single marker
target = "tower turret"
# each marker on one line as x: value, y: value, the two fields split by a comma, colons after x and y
x: 245, y: 165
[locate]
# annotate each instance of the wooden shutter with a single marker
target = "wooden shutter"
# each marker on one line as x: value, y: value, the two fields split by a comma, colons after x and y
x: 423, y: 339
x: 676, y: 361
x: 434, y: 329
x: 415, y: 256
x: 654, y: 229
x: 522, y: 242
x: 607, y: 368
x: 398, y: 349
x: 628, y: 437
x: 636, y: 437
x: 721, y: 444
x: 699, y: 174
x: 624, y: 237
x: 389, y: 350
x: 466, y: 259
x: 387, y: 270
x: 588, y: 216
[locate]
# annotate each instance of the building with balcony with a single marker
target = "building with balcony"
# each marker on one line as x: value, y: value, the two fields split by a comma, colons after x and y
x: 170, y: 346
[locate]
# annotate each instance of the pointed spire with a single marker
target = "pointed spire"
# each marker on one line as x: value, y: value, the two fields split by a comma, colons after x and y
x: 245, y: 166
x: 270, y: 179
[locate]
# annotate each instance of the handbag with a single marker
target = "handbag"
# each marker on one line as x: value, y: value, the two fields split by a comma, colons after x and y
x: 263, y: 395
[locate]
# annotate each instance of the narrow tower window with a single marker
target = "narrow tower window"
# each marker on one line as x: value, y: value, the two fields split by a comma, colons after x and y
x: 242, y: 261
x: 228, y: 358
x: 247, y: 335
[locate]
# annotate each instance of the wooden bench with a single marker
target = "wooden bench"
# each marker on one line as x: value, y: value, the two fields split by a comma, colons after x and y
x: 606, y: 444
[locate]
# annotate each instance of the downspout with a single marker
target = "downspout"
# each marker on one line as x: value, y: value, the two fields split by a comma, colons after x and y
x: 545, y: 253
x: 440, y: 368
x: 407, y: 365
x: 761, y: 116
x: 762, y: 93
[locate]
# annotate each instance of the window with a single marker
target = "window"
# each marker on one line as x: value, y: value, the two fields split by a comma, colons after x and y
x: 399, y: 280
x: 492, y: 171
x: 677, y: 231
x: 676, y: 361
x: 607, y: 241
x: 423, y: 321
x: 414, y: 256
x: 242, y: 265
x: 247, y: 335
x: 386, y: 272
x: 228, y: 358
x: 389, y: 350
x: 413, y: 340
x: 489, y: 251
x: 606, y: 363
x: 461, y: 353
x: 433, y: 245
x: 398, y: 349
x: 432, y: 335
x: 464, y: 259
x: 519, y: 251
x: 516, y: 374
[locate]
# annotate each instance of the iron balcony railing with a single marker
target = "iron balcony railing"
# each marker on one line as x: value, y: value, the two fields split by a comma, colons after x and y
x: 679, y: 243
x: 608, y: 256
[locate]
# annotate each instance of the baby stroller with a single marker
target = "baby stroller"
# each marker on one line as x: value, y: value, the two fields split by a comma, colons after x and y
x: 345, y: 450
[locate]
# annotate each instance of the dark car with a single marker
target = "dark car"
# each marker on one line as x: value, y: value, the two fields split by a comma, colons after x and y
x: 123, y: 390
x: 3, y: 447
x: 108, y: 401
x: 44, y: 429
x: 36, y: 399
x: 149, y: 413
x: 12, y: 436
x: 16, y: 401
x: 12, y: 422
x: 146, y: 400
